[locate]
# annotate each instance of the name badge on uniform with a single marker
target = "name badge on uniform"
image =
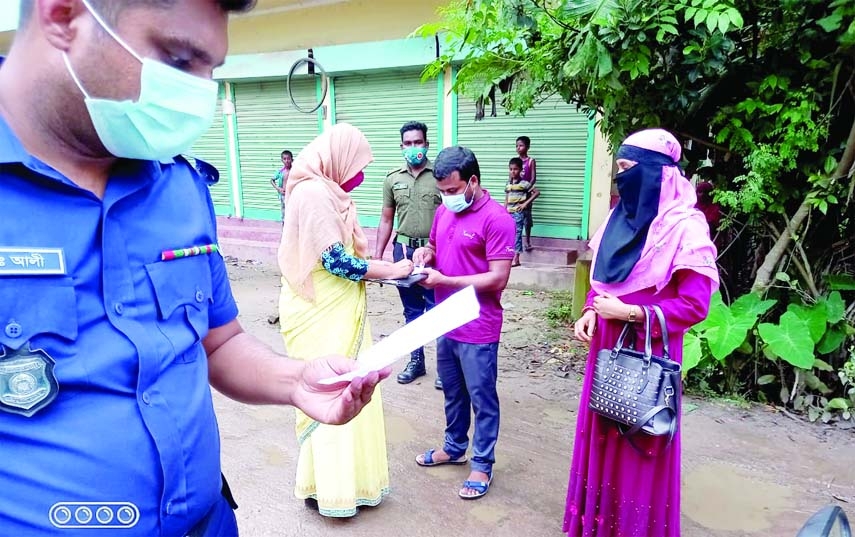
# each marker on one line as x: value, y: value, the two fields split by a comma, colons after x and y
x: 400, y: 186
x: 27, y: 380
x: 31, y: 261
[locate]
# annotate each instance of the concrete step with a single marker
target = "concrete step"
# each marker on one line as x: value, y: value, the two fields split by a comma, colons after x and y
x: 255, y: 230
x: 549, y: 266
x: 533, y: 276
x: 244, y: 249
x: 541, y: 277
x: 548, y: 255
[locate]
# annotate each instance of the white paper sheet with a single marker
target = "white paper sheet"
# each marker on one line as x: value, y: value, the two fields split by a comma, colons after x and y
x: 455, y: 311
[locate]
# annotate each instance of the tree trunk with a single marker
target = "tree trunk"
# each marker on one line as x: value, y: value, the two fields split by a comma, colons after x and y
x: 765, y: 275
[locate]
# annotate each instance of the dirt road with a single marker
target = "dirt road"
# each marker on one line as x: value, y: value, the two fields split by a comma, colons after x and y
x: 746, y: 471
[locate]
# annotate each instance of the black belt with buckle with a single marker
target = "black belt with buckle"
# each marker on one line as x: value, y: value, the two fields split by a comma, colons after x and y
x: 411, y: 242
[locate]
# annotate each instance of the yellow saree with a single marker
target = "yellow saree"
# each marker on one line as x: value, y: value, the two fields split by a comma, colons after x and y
x: 342, y: 467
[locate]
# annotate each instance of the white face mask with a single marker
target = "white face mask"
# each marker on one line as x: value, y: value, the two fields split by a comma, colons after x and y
x: 457, y: 203
x: 174, y: 109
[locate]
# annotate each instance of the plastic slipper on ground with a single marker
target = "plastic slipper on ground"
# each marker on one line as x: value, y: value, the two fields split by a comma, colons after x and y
x: 426, y: 459
x: 480, y: 487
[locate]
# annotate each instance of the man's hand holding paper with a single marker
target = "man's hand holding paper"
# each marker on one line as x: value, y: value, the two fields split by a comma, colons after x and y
x: 458, y: 309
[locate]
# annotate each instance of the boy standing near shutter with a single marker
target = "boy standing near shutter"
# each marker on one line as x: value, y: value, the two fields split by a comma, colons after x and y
x: 529, y: 173
x: 519, y: 194
x: 281, y: 177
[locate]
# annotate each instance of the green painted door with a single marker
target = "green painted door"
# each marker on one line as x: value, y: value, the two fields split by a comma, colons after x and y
x: 379, y: 105
x: 213, y: 149
x: 267, y: 124
x: 559, y: 136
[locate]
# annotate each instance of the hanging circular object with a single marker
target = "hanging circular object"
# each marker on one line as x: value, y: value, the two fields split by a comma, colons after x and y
x: 314, y: 68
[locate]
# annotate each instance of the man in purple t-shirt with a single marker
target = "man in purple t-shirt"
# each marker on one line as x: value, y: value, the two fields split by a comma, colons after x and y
x: 471, y: 243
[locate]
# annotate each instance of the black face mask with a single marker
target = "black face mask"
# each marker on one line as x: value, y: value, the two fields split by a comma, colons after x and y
x: 626, y: 232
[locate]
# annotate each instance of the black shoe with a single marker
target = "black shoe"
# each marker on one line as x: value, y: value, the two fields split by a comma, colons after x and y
x: 414, y: 370
x: 437, y: 383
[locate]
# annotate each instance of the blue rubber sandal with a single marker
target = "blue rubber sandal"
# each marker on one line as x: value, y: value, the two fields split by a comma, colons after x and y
x: 427, y: 459
x: 480, y: 487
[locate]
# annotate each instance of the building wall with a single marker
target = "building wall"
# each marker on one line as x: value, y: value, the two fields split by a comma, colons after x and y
x: 347, y: 37
x: 336, y: 23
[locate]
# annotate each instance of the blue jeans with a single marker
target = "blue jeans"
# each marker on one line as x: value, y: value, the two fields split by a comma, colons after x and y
x: 416, y: 299
x: 469, y: 372
x: 519, y: 220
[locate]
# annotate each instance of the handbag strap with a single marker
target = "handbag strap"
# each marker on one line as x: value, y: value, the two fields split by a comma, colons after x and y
x: 672, y: 430
x: 660, y: 316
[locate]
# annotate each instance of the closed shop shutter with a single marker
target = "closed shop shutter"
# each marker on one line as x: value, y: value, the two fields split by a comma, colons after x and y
x: 212, y: 148
x: 559, y: 136
x: 379, y: 105
x: 267, y: 124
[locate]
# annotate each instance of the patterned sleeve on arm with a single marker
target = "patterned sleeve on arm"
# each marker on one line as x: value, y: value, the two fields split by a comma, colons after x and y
x: 339, y: 263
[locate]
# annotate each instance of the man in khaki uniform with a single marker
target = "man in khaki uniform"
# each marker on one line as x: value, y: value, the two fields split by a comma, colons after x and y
x: 410, y: 193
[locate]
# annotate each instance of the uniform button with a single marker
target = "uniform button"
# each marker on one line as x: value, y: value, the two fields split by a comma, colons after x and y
x: 13, y: 329
x: 200, y: 296
x: 119, y: 308
x: 146, y: 398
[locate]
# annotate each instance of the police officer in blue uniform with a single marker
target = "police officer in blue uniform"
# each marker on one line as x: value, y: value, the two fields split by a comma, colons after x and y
x: 115, y: 306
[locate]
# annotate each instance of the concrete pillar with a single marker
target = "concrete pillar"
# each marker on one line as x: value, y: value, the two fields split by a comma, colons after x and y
x: 601, y: 183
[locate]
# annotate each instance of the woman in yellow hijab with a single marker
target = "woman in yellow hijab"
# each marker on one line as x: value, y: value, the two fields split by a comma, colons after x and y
x: 323, y: 311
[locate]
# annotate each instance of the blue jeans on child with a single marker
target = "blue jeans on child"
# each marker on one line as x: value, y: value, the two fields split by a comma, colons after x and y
x: 519, y: 220
x: 469, y: 372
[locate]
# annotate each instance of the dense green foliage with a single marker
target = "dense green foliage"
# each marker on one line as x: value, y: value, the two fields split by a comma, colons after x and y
x: 763, y: 89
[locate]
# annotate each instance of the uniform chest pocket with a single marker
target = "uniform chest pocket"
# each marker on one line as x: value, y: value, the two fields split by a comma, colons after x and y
x: 41, y: 312
x: 182, y: 289
x: 401, y: 191
x: 432, y: 199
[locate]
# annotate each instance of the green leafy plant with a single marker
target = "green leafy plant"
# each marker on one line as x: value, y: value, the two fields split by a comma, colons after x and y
x: 732, y: 340
x: 560, y: 310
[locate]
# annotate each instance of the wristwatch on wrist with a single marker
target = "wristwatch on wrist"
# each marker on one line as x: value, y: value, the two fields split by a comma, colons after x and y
x: 630, y: 317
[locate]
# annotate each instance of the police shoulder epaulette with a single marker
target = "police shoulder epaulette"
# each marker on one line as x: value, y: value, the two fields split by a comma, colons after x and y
x: 207, y: 171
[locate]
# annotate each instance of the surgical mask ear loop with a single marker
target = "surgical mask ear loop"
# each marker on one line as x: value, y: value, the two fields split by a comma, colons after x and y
x: 73, y: 75
x: 110, y: 31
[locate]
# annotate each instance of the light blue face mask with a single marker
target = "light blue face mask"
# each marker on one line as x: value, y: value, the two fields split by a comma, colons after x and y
x: 174, y: 109
x: 457, y: 203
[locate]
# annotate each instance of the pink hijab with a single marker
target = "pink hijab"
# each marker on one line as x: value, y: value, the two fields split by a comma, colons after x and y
x: 318, y: 212
x: 679, y: 234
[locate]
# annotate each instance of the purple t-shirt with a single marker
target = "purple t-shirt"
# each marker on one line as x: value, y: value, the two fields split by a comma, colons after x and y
x: 465, y: 244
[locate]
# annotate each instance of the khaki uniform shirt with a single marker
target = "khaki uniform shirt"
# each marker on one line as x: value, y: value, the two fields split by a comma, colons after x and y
x: 414, y: 199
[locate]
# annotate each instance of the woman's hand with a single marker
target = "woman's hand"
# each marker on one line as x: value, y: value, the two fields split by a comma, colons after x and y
x: 401, y: 269
x: 611, y: 307
x: 585, y: 325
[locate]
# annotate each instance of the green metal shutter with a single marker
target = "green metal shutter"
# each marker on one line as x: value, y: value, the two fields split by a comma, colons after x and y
x: 379, y: 105
x: 213, y: 149
x: 559, y: 145
x: 267, y: 124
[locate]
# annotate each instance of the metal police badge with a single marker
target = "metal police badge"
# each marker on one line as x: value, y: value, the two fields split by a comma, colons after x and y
x: 27, y: 380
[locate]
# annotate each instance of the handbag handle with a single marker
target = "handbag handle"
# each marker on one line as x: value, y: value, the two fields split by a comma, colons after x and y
x: 648, y: 344
x: 620, y: 340
x: 663, y: 328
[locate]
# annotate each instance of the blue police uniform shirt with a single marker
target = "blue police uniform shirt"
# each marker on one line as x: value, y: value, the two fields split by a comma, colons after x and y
x: 131, y: 440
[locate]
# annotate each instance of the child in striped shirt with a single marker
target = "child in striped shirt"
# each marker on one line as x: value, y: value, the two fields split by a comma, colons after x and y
x: 519, y: 193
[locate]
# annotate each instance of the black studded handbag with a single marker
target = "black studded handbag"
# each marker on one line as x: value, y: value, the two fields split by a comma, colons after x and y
x: 639, y: 391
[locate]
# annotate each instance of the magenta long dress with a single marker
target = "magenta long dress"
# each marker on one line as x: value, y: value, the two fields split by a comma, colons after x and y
x: 614, y: 491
